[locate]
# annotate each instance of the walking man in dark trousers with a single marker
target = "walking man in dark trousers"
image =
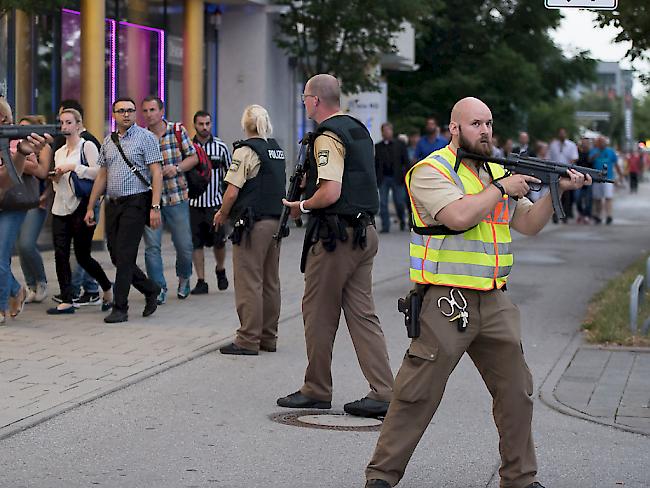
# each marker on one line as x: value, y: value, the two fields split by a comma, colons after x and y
x: 133, y: 191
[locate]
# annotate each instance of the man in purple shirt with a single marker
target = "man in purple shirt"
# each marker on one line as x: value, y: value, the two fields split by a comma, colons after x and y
x: 431, y: 141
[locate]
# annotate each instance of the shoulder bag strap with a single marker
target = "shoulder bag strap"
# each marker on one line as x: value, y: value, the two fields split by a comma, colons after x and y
x: 116, y: 140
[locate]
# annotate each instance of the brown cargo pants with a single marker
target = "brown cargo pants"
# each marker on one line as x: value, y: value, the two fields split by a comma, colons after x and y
x: 256, y: 272
x: 493, y: 342
x: 342, y: 279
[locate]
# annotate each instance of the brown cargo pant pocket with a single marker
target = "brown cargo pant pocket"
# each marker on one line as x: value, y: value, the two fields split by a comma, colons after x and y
x: 414, y: 380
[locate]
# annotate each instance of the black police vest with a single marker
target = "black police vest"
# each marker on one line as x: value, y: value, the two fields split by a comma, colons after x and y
x: 359, y: 186
x: 264, y: 192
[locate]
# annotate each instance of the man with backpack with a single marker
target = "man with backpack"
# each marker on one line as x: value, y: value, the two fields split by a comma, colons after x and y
x: 203, y: 207
x: 179, y: 156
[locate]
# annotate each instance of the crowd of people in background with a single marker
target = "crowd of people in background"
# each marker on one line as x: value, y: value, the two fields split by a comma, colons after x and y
x: 394, y: 155
x: 78, y: 155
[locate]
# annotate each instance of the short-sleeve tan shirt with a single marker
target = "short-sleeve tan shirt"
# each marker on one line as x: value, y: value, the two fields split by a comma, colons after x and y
x: 245, y: 166
x: 329, y: 153
x: 431, y: 192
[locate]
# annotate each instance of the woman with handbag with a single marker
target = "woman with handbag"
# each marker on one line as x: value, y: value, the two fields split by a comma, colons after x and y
x: 75, y: 168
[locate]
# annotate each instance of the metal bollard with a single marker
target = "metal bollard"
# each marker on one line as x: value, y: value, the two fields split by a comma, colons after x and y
x: 637, y: 291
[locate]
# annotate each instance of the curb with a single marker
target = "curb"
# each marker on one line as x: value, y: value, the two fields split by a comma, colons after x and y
x: 547, y: 389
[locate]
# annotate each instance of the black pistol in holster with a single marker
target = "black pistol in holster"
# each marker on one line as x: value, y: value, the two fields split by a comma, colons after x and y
x: 410, y: 306
x: 243, y: 225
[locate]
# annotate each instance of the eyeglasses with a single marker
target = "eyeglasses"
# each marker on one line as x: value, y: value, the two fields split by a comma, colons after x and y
x: 123, y: 111
x: 303, y: 96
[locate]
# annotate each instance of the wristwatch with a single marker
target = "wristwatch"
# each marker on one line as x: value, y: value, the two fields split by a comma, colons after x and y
x: 156, y: 207
x: 302, y: 207
x: 500, y: 187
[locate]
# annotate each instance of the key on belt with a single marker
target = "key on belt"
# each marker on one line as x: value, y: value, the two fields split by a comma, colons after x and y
x: 462, y: 316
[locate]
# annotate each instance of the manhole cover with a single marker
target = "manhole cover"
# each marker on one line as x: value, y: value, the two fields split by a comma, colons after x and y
x: 316, y: 419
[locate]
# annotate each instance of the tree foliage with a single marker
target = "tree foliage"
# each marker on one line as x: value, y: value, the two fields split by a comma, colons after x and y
x: 345, y: 38
x: 497, y: 50
x: 633, y: 20
x: 30, y: 6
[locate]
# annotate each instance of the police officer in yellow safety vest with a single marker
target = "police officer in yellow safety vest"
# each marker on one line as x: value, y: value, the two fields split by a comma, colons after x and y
x: 460, y: 256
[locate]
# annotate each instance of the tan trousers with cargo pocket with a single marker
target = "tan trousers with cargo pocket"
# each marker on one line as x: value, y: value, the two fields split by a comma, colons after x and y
x: 493, y: 342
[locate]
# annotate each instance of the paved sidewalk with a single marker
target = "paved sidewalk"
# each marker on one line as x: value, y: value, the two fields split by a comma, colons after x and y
x: 610, y: 386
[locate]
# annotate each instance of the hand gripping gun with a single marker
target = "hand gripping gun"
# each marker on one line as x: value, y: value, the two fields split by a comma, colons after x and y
x: 295, y: 189
x: 13, y: 132
x: 549, y: 172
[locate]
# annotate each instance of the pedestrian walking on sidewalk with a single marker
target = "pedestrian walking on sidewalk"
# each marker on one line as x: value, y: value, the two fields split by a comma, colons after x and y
x: 76, y: 158
x: 179, y: 156
x: 460, y: 261
x: 253, y: 203
x: 205, y: 206
x: 340, y: 246
x: 131, y: 176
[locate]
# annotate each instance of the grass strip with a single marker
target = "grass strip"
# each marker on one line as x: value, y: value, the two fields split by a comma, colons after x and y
x: 608, y: 315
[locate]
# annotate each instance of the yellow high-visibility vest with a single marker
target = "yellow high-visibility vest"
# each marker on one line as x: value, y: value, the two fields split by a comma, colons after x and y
x: 479, y: 258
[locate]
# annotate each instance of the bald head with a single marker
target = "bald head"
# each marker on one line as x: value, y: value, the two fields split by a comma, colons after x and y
x: 471, y: 126
x: 326, y: 88
x: 468, y: 108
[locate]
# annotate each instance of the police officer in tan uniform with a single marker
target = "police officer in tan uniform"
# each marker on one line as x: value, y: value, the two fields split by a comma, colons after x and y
x: 253, y: 203
x: 340, y: 246
x: 463, y: 265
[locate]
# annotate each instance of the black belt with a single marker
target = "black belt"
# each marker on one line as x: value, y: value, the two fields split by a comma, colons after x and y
x: 126, y: 198
x: 268, y: 217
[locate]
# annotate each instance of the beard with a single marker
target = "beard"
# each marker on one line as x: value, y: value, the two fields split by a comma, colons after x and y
x: 482, y: 147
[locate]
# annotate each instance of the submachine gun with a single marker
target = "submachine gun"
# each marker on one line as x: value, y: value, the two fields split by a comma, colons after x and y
x: 13, y: 132
x: 293, y: 194
x: 549, y: 172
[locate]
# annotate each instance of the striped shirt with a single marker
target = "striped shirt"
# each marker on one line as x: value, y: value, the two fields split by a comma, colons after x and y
x: 220, y: 157
x: 141, y: 148
x: 174, y: 189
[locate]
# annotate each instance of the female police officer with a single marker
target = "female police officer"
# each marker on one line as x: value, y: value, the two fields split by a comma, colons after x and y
x: 253, y: 203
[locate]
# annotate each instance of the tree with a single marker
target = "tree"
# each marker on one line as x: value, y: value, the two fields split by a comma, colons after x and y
x: 497, y: 50
x: 30, y: 6
x: 345, y: 38
x: 633, y: 18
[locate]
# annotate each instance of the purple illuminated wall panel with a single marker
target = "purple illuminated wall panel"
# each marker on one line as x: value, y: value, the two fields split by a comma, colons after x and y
x: 135, y: 60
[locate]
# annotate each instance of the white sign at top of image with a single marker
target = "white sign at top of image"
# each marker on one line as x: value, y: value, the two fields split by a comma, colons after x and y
x: 587, y: 4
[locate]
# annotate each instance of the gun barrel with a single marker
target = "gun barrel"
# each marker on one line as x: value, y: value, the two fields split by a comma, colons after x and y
x: 514, y: 160
x: 12, y: 132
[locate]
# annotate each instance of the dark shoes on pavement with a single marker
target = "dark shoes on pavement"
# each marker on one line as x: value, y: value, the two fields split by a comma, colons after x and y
x: 298, y: 400
x: 377, y: 484
x: 201, y: 288
x: 61, y: 311
x: 537, y: 484
x: 116, y: 316
x: 233, y: 348
x: 151, y: 302
x: 222, y: 281
x: 367, y: 407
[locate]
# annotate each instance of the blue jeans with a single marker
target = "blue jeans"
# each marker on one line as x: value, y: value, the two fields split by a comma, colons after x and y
x: 31, y: 261
x: 387, y: 184
x: 10, y: 222
x: 80, y: 277
x: 584, y: 200
x: 177, y: 219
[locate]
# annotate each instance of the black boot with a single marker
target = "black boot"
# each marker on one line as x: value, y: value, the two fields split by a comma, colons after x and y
x: 116, y: 316
x: 298, y: 400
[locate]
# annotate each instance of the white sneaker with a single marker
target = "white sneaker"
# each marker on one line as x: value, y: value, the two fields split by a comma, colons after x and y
x: 31, y: 296
x: 41, y: 292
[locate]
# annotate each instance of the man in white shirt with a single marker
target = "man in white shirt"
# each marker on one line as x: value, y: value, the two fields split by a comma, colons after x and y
x: 565, y: 151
